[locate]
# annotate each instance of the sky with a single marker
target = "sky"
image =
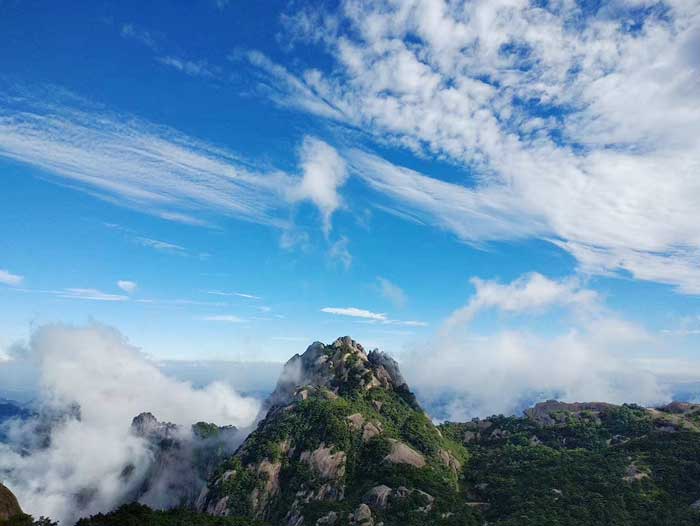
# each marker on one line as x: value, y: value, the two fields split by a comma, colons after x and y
x: 503, y: 190
x: 502, y: 194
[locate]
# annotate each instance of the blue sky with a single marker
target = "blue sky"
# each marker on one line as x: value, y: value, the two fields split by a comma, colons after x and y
x: 261, y: 175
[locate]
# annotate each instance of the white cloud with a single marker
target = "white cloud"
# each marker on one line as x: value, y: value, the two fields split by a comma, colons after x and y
x: 130, y: 31
x: 134, y: 163
x: 157, y: 244
x: 248, y: 296
x: 127, y: 286
x: 193, y: 68
x: 239, y: 294
x: 507, y: 371
x: 392, y: 292
x: 407, y: 323
x: 595, y: 356
x: 339, y: 251
x: 283, y: 83
x: 226, y: 318
x: 89, y: 294
x: 354, y: 312
x: 8, y: 278
x: 111, y: 381
x: 323, y: 173
x: 529, y: 293
x: 579, y: 127
x: 372, y: 317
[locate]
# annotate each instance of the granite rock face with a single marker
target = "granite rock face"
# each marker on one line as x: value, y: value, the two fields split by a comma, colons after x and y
x: 342, y: 429
x: 335, y: 368
x: 9, y: 507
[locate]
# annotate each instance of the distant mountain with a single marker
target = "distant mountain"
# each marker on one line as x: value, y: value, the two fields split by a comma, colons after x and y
x: 183, y: 460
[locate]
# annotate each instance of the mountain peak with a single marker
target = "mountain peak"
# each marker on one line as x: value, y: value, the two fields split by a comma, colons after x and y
x: 336, y: 369
x: 343, y: 438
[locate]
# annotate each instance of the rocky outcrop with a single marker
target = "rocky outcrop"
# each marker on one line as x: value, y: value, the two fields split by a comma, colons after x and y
x: 403, y: 454
x: 9, y: 507
x: 324, y: 463
x: 336, y: 368
x: 362, y: 516
x: 635, y: 472
x: 450, y: 461
x: 378, y: 496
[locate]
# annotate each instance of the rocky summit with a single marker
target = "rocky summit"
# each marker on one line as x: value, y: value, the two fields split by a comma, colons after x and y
x: 344, y: 442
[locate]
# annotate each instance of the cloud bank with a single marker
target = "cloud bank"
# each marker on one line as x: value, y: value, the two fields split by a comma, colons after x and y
x: 92, y: 383
x: 570, y: 122
x: 595, y: 356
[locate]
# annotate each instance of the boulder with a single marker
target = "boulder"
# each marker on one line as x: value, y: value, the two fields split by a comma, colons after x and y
x: 404, y: 454
x: 378, y: 496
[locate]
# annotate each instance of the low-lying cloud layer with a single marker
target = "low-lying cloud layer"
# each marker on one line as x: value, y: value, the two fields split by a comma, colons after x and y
x: 92, y: 384
x: 595, y: 356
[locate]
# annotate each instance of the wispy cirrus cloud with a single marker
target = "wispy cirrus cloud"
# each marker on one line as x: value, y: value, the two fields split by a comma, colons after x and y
x: 239, y: 294
x: 157, y: 244
x: 127, y: 286
x: 223, y: 318
x: 354, y: 312
x: 154, y: 169
x: 531, y: 104
x: 89, y: 294
x: 392, y: 292
x: 371, y: 317
x: 194, y: 68
x: 141, y: 165
x: 8, y: 278
x: 143, y: 36
x: 150, y: 242
x: 339, y: 252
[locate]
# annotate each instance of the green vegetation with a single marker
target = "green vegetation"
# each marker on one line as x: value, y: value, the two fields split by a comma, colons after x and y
x: 609, y: 469
x: 23, y: 519
x: 323, y: 420
x: 138, y: 515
